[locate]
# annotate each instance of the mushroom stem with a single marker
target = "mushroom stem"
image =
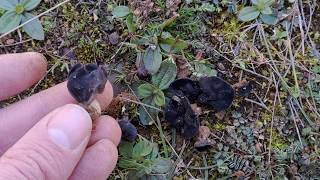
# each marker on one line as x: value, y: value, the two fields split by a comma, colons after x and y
x: 94, y: 109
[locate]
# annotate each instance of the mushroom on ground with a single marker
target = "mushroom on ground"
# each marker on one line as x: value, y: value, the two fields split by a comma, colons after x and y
x: 129, y: 131
x: 216, y: 93
x: 179, y: 114
x: 188, y: 87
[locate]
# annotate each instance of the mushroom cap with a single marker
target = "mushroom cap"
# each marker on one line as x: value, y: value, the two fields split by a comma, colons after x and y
x: 129, y: 131
x: 216, y: 93
x: 85, y: 81
x: 188, y: 87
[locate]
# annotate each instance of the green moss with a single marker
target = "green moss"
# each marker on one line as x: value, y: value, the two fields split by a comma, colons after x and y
x: 219, y: 127
x: 277, y: 142
x: 231, y: 29
x: 266, y: 116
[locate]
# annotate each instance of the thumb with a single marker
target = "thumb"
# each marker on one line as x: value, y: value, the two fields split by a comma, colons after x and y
x: 51, y: 149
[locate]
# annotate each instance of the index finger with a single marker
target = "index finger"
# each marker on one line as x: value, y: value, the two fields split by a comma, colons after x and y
x: 20, y: 71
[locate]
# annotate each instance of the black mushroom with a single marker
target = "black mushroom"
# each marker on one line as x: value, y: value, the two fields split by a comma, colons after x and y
x: 211, y: 91
x: 85, y: 81
x: 188, y: 87
x: 129, y: 131
x: 216, y: 93
x: 179, y: 114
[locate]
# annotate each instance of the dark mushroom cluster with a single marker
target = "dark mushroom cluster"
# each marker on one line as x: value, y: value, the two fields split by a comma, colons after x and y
x: 208, y: 91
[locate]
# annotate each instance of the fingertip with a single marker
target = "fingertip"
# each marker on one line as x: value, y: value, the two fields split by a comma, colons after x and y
x: 98, y: 161
x: 106, y: 127
x: 20, y: 71
x: 106, y: 96
x: 37, y: 58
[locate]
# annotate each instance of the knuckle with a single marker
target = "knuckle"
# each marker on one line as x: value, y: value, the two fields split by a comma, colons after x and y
x: 36, y: 162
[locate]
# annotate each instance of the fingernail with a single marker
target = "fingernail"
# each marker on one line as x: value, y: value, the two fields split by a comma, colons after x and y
x: 70, y: 126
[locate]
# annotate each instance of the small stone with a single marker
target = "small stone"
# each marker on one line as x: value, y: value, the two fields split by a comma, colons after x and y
x: 221, y: 67
x: 220, y: 115
x: 258, y: 147
x: 113, y: 38
x: 10, y: 41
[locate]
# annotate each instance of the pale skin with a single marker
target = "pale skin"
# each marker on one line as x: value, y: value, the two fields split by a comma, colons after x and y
x: 48, y: 136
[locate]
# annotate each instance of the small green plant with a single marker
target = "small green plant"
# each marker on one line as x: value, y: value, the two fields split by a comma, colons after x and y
x: 144, y: 161
x: 259, y: 9
x: 17, y: 12
x: 154, y: 44
x: 152, y: 94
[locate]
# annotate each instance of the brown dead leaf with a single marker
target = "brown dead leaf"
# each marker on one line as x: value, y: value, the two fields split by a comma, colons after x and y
x: 142, y: 9
x: 258, y: 147
x: 199, y: 55
x: 220, y: 115
x: 172, y: 6
x: 204, y: 132
x: 116, y: 105
x: 183, y: 67
x: 239, y: 84
x: 203, y: 142
x: 239, y: 174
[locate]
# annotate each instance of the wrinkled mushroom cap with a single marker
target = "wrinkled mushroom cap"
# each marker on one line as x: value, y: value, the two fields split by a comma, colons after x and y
x: 216, y: 93
x: 179, y: 114
x: 85, y: 81
x: 188, y: 87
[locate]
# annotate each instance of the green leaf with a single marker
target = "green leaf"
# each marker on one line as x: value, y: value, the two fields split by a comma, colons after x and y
x: 152, y: 59
x: 203, y: 69
x: 34, y: 28
x: 144, y: 117
x: 126, y: 149
x: 269, y: 19
x: 120, y: 11
x: 141, y: 149
x: 267, y: 10
x: 130, y: 24
x: 161, y: 169
x: 155, y: 151
x: 9, y: 5
x: 162, y: 166
x: 166, y: 74
x: 8, y: 21
x: 168, y: 22
x: 30, y: 4
x: 146, y: 90
x: 255, y: 2
x: 128, y: 163
x: 268, y: 2
x: 171, y: 44
x: 248, y: 14
x: 159, y: 98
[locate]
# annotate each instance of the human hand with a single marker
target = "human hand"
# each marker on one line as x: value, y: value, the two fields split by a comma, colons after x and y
x: 47, y: 136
